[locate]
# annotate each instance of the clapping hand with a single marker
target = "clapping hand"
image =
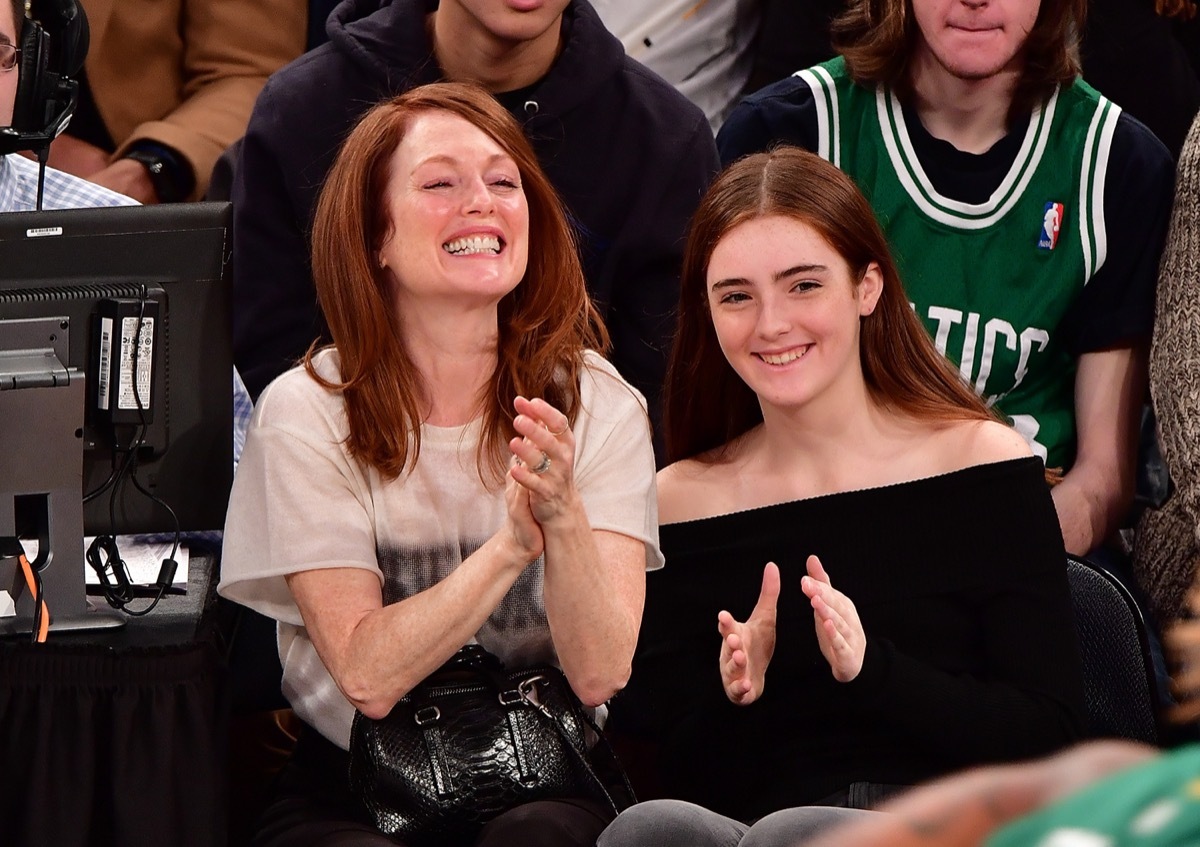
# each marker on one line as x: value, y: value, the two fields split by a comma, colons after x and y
x: 545, y: 452
x: 839, y: 632
x: 746, y: 648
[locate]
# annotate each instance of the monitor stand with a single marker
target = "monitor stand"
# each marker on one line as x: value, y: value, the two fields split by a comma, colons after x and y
x: 41, y: 428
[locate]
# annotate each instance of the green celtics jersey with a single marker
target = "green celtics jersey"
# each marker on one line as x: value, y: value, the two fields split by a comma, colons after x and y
x: 1156, y: 804
x: 991, y: 281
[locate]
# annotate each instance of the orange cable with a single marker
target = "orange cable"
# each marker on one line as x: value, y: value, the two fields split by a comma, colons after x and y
x: 27, y: 569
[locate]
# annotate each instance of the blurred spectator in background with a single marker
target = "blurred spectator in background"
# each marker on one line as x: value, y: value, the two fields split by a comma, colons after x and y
x: 1142, y: 54
x: 702, y: 47
x: 792, y: 36
x: 168, y: 85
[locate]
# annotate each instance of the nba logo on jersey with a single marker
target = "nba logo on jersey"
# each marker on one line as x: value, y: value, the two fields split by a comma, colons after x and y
x: 1051, y: 222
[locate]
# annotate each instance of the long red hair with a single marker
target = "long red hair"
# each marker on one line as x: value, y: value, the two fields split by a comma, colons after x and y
x: 706, y: 404
x: 545, y: 323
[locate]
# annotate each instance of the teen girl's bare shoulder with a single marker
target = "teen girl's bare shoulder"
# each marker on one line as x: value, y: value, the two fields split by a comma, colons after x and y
x: 965, y: 444
x: 692, y: 489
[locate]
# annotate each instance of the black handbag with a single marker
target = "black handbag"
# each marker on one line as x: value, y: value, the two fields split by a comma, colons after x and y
x: 473, y: 740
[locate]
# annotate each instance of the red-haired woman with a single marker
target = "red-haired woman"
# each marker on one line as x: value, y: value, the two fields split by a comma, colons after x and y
x: 389, y: 508
x: 892, y: 546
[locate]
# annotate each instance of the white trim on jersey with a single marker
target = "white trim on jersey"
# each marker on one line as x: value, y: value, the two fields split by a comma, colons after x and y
x: 944, y: 210
x: 1102, y: 154
x: 1093, y: 235
x: 825, y: 98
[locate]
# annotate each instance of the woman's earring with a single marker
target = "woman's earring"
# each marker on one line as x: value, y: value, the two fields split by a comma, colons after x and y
x: 382, y: 263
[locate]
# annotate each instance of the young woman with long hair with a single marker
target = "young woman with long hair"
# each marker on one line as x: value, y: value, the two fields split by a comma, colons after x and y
x: 878, y: 551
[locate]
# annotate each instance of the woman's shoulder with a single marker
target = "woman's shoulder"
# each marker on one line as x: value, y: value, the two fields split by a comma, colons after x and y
x: 607, y: 403
x: 600, y: 383
x: 691, y: 489
x: 965, y: 444
x: 296, y: 395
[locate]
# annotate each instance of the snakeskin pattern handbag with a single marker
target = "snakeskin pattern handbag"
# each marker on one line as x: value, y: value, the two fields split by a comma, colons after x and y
x: 473, y: 740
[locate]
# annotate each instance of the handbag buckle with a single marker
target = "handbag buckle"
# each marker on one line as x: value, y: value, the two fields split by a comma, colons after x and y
x: 427, y: 715
x: 528, y: 688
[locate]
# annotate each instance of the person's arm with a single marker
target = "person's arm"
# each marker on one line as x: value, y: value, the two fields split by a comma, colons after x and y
x: 229, y: 50
x: 963, y: 809
x: 595, y: 581
x: 376, y: 653
x: 1108, y: 328
x: 301, y: 547
x: 1095, y: 494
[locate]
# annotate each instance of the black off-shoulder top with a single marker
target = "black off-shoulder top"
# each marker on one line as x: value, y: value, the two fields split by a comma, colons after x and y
x: 960, y: 582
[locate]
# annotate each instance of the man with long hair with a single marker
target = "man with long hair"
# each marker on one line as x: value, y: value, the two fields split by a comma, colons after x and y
x: 967, y: 126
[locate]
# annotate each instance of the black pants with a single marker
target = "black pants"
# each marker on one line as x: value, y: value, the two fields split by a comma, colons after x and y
x: 313, y: 807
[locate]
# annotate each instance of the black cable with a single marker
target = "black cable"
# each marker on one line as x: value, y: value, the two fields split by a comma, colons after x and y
x: 38, y: 596
x: 43, y: 155
x: 104, y: 557
x: 120, y: 594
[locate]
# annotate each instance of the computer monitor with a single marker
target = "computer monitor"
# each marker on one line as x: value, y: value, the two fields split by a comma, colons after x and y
x: 115, y: 324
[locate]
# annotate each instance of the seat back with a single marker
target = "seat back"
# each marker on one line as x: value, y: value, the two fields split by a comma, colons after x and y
x: 1118, y: 676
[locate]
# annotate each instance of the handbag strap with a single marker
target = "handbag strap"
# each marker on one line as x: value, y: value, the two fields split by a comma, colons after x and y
x: 579, y: 756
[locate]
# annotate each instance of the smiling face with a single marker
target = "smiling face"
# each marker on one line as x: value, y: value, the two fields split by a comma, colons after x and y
x: 974, y: 39
x: 786, y: 310
x: 459, y: 222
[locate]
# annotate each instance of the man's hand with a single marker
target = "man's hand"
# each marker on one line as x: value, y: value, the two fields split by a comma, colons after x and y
x: 125, y: 176
x: 746, y: 648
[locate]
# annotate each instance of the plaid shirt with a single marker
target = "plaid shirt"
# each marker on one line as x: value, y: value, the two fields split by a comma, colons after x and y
x: 18, y: 188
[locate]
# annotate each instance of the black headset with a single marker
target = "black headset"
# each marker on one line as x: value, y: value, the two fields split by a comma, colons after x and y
x: 53, y: 44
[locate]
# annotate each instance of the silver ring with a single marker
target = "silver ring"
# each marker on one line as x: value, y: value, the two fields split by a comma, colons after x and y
x: 542, y: 466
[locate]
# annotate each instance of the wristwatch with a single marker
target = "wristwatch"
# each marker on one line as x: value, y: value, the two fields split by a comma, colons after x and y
x: 171, y: 178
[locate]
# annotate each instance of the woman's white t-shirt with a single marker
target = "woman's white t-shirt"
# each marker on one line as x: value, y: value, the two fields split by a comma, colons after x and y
x: 300, y: 502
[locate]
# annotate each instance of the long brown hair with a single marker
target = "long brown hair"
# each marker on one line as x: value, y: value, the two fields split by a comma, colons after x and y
x: 707, y: 404
x: 877, y: 38
x: 545, y: 323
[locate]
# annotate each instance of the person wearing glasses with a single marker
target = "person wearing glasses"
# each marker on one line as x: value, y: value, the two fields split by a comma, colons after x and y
x: 18, y: 175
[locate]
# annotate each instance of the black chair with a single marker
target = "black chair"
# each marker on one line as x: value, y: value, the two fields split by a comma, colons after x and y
x: 1118, y: 674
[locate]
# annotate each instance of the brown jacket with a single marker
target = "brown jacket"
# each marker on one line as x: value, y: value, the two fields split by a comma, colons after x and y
x: 185, y: 73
